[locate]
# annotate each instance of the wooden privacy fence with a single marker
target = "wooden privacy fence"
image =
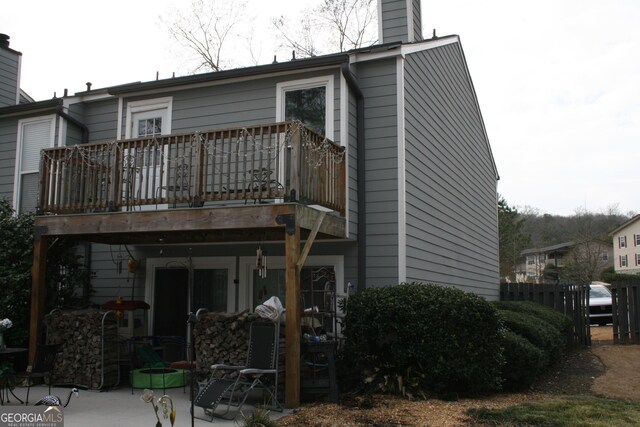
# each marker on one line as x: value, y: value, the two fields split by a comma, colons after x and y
x: 571, y: 300
x: 626, y: 312
x: 279, y: 161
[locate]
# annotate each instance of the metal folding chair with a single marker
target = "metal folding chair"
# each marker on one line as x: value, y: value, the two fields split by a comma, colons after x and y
x: 260, y: 371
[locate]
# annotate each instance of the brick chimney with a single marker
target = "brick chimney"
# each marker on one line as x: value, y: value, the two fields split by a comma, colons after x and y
x: 399, y: 21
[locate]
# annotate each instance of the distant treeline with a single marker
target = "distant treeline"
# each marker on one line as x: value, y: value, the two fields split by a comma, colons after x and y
x: 546, y: 229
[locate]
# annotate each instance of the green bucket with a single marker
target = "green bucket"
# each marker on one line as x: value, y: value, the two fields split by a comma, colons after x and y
x: 155, y: 378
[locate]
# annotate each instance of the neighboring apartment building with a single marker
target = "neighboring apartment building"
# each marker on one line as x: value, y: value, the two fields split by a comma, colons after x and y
x: 626, y: 247
x: 535, y: 260
x: 193, y: 175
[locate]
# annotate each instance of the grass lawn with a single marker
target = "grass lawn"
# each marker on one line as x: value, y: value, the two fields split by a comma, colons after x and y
x: 583, y: 411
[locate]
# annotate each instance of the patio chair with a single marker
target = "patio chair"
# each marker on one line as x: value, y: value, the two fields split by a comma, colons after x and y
x: 44, y: 364
x: 230, y: 385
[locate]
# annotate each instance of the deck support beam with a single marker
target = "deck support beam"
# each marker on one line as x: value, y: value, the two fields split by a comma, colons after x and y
x: 292, y: 325
x: 38, y: 293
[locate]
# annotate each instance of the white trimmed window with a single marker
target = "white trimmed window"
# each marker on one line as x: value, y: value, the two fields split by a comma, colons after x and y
x: 636, y: 238
x: 309, y: 100
x: 34, y: 134
x: 637, y: 260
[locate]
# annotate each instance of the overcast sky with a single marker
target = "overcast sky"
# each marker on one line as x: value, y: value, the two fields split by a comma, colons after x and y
x: 558, y: 81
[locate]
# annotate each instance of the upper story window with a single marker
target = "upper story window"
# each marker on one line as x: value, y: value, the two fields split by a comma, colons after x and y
x: 636, y: 239
x: 308, y: 100
x: 34, y: 134
x: 531, y: 259
x: 605, y: 256
x: 622, y: 241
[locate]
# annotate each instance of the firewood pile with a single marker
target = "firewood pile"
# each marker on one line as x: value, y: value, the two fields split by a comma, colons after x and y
x: 89, y: 354
x: 222, y: 338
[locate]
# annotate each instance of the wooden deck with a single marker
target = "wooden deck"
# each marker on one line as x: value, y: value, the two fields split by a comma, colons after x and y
x: 280, y: 162
x: 233, y: 185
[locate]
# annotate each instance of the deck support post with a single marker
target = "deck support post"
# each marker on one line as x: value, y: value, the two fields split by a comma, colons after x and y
x: 38, y: 292
x: 292, y: 325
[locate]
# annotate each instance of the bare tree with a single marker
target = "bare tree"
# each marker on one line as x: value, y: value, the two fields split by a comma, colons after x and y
x: 333, y: 25
x: 205, y: 30
x: 586, y: 260
x: 353, y: 20
x: 303, y: 40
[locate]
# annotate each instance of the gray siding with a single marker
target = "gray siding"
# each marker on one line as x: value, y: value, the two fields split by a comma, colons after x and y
x: 452, y: 235
x: 8, y: 136
x: 9, y: 68
x: 352, y: 172
x: 101, y: 117
x: 417, y: 20
x: 394, y: 21
x: 378, y: 83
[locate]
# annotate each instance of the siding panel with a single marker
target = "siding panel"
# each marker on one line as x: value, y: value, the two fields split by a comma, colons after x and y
x: 377, y: 81
x: 451, y: 182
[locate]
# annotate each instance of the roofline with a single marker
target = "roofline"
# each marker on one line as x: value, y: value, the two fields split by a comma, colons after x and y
x: 293, y: 65
x: 334, y: 59
x: 625, y: 224
x: 31, y: 107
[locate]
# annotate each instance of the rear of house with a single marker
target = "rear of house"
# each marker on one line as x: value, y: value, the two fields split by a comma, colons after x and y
x: 358, y: 169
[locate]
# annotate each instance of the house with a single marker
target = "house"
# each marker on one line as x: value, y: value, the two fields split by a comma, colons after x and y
x: 594, y: 256
x: 626, y: 247
x: 221, y: 200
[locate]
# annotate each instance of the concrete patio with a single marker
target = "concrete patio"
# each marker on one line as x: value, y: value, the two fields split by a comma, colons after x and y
x: 118, y: 407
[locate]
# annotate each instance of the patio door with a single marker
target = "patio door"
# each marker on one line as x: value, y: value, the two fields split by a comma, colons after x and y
x: 142, y: 178
x: 170, y: 294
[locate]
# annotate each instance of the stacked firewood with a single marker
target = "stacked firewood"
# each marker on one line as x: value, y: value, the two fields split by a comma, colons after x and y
x: 83, y: 359
x: 222, y: 338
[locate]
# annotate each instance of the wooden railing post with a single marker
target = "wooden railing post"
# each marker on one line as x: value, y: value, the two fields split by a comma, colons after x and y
x: 294, y: 150
x: 114, y: 199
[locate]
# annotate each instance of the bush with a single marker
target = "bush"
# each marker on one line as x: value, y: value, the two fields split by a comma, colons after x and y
x: 535, y: 337
x: 539, y: 332
x: 558, y: 320
x: 610, y: 276
x: 414, y: 338
x: 524, y: 361
x: 65, y: 276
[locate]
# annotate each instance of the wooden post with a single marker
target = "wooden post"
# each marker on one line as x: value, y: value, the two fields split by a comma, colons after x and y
x: 292, y: 326
x: 38, y: 292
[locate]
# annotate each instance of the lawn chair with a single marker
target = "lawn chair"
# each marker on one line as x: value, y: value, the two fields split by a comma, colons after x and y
x: 260, y: 371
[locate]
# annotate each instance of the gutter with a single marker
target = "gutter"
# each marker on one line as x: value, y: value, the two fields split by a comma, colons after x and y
x: 362, y: 229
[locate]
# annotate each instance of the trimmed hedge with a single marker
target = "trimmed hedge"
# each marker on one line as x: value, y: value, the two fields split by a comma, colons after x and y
x: 524, y: 361
x: 535, y: 338
x: 558, y: 320
x: 412, y: 339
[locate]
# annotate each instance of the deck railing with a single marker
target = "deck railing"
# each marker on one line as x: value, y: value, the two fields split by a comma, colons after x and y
x: 274, y: 162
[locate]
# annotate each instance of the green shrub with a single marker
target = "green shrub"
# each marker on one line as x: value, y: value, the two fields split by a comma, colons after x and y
x: 524, y: 361
x: 539, y: 332
x: 414, y: 338
x: 610, y: 276
x: 558, y: 320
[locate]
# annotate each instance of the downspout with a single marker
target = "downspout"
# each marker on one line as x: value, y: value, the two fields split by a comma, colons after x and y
x: 362, y: 229
x: 76, y: 122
